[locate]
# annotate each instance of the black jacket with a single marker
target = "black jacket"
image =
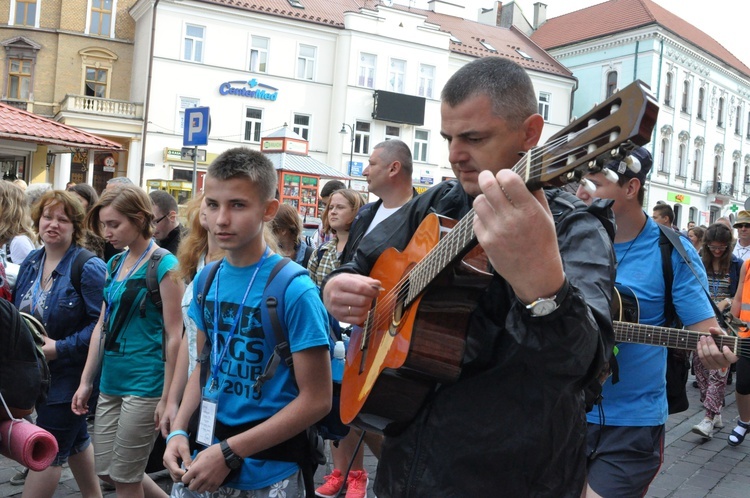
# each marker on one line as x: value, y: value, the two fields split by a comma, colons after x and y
x: 513, y: 424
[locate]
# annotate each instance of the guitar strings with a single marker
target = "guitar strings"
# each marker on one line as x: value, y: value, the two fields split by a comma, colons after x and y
x: 456, y: 240
x: 634, y: 331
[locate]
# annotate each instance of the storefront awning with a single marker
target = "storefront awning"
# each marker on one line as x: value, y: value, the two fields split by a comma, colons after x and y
x: 23, y: 126
x: 305, y: 165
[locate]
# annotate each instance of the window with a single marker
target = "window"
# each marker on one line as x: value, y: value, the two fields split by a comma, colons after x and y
x: 19, y: 79
x: 193, y: 49
x: 306, y: 62
x: 544, y: 99
x: 259, y: 54
x: 611, y: 84
x: 253, y: 119
x: 685, y: 96
x: 717, y: 171
x: 720, y: 118
x: 392, y: 132
x: 668, y: 90
x: 396, y: 75
x: 366, y: 76
x: 747, y: 133
x: 697, y: 165
x: 489, y: 47
x: 185, y: 102
x: 362, y: 138
x: 302, y: 125
x: 735, y: 173
x: 663, y: 156
x: 426, y: 80
x: 738, y: 121
x: 421, y: 139
x: 96, y: 82
x: 101, y: 17
x: 682, y: 161
x: 25, y: 13
x: 701, y: 102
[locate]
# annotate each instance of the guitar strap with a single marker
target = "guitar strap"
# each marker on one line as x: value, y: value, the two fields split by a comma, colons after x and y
x: 671, y: 238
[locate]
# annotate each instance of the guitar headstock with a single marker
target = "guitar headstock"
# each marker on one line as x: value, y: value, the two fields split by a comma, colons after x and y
x: 625, y: 119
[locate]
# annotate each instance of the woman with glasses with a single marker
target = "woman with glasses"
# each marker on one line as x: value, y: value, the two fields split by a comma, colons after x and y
x: 723, y: 271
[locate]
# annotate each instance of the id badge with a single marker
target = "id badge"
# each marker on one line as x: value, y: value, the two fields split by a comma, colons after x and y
x: 207, y: 422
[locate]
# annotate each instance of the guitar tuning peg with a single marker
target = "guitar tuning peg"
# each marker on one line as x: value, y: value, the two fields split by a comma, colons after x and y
x: 633, y: 163
x: 610, y: 175
x: 588, y: 185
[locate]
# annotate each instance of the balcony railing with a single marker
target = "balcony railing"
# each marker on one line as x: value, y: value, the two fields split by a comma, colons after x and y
x: 725, y: 189
x: 18, y: 104
x: 102, y: 107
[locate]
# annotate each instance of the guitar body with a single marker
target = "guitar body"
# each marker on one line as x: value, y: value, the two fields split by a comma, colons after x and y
x: 402, y: 351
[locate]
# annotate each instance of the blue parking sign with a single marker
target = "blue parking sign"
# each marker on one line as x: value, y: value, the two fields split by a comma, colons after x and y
x: 197, y: 126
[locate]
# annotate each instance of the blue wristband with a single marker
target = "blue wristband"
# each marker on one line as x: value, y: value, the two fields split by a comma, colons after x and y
x: 177, y: 433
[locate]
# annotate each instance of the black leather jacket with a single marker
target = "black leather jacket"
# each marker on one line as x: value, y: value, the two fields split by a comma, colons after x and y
x: 513, y: 424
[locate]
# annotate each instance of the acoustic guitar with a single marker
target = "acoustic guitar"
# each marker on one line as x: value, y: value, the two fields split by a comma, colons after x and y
x: 414, y: 335
x: 625, y: 313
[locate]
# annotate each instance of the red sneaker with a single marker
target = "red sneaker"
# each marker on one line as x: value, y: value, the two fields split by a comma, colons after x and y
x: 333, y: 483
x: 356, y: 484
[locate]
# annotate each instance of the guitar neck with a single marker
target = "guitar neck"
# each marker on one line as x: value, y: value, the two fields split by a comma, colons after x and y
x: 453, y: 244
x: 671, y: 338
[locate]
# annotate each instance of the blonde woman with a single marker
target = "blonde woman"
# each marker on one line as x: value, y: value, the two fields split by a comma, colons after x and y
x: 15, y: 221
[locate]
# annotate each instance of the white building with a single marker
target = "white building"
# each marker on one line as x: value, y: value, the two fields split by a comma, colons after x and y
x: 701, y: 142
x: 315, y: 66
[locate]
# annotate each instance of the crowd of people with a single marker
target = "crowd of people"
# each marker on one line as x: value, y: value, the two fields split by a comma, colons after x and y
x: 144, y: 343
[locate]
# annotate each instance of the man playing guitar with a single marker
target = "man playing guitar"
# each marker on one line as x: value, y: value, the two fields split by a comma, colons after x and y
x: 512, y: 423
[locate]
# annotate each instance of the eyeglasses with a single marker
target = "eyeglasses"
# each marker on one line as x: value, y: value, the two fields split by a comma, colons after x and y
x: 742, y: 225
x: 156, y: 222
x: 717, y: 248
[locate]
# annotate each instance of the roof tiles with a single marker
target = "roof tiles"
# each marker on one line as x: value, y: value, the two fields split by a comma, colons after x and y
x: 16, y: 124
x: 616, y: 16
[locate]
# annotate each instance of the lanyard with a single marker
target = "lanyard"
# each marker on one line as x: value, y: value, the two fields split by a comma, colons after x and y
x: 216, y: 356
x: 114, y: 290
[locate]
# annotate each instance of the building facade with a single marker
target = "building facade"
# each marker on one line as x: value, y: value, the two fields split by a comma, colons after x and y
x: 701, y: 143
x: 71, y: 60
x: 340, y: 75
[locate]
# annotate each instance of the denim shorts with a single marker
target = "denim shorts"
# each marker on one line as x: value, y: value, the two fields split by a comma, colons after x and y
x: 69, y: 430
x: 625, y: 459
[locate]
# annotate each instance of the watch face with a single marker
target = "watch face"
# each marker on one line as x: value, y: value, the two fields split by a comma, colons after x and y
x: 543, y: 307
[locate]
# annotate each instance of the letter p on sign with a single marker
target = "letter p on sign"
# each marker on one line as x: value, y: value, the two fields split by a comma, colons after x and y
x: 197, y: 126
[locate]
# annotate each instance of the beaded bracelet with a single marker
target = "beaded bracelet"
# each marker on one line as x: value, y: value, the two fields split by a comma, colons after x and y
x: 176, y: 433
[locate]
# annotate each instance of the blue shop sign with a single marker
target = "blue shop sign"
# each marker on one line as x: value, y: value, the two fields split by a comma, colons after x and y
x: 250, y: 89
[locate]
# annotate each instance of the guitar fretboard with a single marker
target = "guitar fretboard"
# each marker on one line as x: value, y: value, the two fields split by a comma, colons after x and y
x: 672, y: 338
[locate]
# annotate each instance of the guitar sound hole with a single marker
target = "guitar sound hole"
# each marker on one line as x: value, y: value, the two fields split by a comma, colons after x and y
x: 398, y: 308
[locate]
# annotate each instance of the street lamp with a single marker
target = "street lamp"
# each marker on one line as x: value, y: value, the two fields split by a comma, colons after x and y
x: 351, y: 145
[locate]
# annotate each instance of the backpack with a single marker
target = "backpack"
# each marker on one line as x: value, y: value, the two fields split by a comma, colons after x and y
x: 305, y: 449
x: 152, y: 285
x: 678, y: 362
x: 274, y: 325
x: 24, y: 374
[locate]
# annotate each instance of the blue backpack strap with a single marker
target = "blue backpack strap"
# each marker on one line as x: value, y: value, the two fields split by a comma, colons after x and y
x: 203, y: 283
x: 272, y: 316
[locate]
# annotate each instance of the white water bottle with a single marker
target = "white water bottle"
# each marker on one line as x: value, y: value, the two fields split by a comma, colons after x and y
x: 337, y: 363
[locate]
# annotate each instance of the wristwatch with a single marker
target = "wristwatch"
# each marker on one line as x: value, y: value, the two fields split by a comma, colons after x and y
x: 546, y: 305
x: 232, y: 460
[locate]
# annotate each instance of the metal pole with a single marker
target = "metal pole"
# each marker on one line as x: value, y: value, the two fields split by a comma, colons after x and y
x: 351, y: 155
x: 195, y: 172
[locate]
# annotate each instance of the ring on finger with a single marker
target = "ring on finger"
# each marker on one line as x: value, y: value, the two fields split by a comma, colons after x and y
x: 350, y: 309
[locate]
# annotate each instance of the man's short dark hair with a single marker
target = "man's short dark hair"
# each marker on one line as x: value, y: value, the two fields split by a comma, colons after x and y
x: 396, y: 150
x: 506, y: 84
x: 247, y: 163
x: 331, y: 187
x: 164, y: 201
x: 665, y: 210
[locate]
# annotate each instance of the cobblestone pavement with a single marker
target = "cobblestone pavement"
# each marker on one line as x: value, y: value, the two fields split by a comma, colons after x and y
x: 693, y: 467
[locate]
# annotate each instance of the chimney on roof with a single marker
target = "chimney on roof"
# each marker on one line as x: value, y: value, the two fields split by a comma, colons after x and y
x: 540, y: 14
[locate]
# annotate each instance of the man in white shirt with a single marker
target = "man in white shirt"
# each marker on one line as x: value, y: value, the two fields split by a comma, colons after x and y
x: 742, y: 224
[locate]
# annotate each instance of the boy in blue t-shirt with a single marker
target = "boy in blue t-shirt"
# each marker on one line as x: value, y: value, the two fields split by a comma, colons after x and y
x: 239, y: 196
